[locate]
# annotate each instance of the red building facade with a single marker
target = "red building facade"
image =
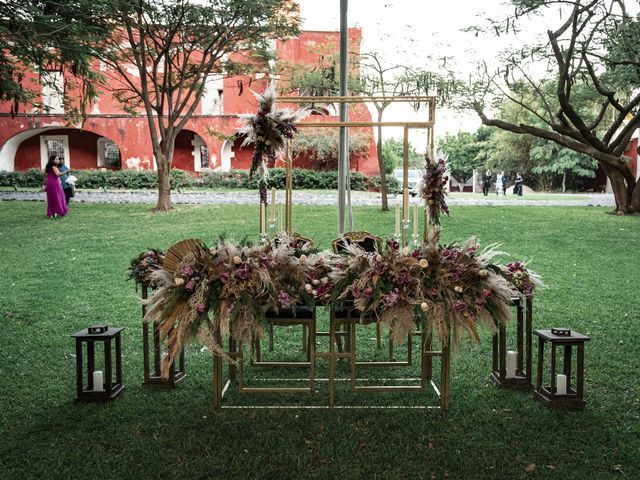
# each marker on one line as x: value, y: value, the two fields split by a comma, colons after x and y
x: 113, y: 139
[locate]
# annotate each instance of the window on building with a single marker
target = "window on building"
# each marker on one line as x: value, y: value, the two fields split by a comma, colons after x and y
x: 213, y: 95
x: 52, y: 91
x: 54, y: 145
x: 204, y: 156
x: 108, y: 154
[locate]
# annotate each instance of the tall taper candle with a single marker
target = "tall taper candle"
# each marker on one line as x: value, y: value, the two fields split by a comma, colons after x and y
x: 273, y: 205
x: 397, y: 218
x: 405, y: 205
x: 263, y: 218
x: 279, y: 218
x: 415, y: 221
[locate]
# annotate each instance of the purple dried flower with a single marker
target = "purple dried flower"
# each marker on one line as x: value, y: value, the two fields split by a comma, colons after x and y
x: 367, y: 292
x: 186, y: 271
x: 403, y: 276
x: 459, y: 306
x: 200, y: 307
x: 224, y: 277
x: 355, y: 291
x: 284, y: 299
x: 189, y: 286
x: 390, y: 299
x: 381, y: 268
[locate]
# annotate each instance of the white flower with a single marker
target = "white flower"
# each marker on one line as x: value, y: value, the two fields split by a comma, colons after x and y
x: 315, y: 281
x: 308, y: 288
x: 303, y: 258
x: 314, y: 292
x: 213, y: 251
x: 424, y: 306
x: 178, y: 280
x: 458, y: 289
x: 484, y: 272
x: 423, y: 263
x: 378, y: 258
x: 405, y: 251
x: 324, y: 280
x: 237, y: 260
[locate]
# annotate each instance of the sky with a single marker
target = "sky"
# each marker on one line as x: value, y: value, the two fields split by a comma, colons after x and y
x: 408, y: 32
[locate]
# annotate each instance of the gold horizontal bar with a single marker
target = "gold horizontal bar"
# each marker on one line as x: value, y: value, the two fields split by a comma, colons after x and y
x: 358, y: 99
x: 275, y: 390
x: 433, y: 353
x: 282, y: 364
x: 337, y: 354
x: 389, y: 388
x: 416, y: 125
x: 383, y: 364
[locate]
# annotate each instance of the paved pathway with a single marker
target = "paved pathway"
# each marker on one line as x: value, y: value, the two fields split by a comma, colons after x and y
x: 358, y: 198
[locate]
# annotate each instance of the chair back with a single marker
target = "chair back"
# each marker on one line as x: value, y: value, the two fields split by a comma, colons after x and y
x: 365, y: 240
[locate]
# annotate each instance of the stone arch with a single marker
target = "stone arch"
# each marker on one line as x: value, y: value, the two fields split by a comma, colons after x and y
x: 191, y: 152
x: 83, y: 149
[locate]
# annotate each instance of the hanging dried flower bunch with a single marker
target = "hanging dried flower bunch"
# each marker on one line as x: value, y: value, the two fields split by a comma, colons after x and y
x: 433, y: 190
x: 268, y: 130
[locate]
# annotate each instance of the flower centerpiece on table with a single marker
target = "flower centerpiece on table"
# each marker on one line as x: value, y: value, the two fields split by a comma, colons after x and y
x: 207, y: 293
x: 143, y: 265
x: 449, y: 289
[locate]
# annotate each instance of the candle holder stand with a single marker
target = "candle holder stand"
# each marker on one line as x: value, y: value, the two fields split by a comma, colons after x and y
x: 110, y: 389
x: 549, y: 395
x: 155, y: 379
x: 521, y: 379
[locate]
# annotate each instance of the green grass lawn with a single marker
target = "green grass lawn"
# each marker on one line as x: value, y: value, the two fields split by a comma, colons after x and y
x: 60, y: 276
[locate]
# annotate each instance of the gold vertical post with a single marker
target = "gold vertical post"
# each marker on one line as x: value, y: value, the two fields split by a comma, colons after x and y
x: 405, y: 188
x: 445, y: 375
x: 288, y: 187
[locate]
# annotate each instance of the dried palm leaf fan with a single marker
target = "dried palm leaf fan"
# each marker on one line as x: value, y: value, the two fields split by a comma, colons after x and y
x: 176, y: 253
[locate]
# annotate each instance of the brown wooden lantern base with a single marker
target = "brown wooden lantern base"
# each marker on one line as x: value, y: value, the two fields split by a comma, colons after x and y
x: 520, y: 382
x: 570, y: 401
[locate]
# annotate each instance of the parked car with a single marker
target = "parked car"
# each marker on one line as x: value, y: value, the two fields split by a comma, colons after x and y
x: 415, y: 177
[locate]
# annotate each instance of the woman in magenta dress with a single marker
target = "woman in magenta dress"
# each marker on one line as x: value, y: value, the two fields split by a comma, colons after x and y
x: 56, y: 205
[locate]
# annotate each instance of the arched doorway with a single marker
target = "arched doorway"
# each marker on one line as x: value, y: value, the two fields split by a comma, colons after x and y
x: 81, y: 149
x: 191, y: 152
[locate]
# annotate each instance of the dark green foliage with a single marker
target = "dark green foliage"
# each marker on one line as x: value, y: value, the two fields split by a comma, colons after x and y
x: 303, y: 179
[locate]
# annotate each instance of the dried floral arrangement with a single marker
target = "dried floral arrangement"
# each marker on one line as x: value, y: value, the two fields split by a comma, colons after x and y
x: 143, y: 265
x: 268, y: 130
x: 449, y: 289
x: 208, y: 293
x: 522, y: 280
x: 433, y: 191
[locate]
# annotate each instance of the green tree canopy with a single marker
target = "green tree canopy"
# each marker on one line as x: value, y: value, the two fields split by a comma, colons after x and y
x: 588, y: 96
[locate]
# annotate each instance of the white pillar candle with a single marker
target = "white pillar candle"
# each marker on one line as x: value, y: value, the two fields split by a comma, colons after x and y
x: 561, y: 384
x: 415, y: 221
x: 98, y: 381
x: 512, y: 358
x: 397, y: 219
x: 279, y: 218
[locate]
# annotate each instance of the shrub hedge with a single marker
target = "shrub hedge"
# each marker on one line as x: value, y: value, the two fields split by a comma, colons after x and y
x: 234, y: 179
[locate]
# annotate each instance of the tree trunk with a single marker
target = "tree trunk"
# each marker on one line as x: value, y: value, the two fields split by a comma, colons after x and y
x: 164, y: 188
x: 383, y: 175
x: 564, y: 182
x: 621, y: 191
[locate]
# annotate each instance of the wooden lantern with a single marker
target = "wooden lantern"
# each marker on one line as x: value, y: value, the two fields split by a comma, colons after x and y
x: 560, y: 394
x: 508, y: 371
x: 100, y: 385
x: 154, y: 378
